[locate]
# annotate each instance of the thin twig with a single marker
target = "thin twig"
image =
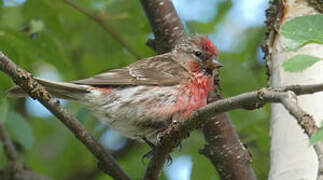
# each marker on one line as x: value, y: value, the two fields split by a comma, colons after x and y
x: 36, y: 91
x: 176, y: 132
x: 168, y: 29
x: 251, y: 100
x: 9, y: 149
x: 305, y: 120
x: 276, y: 13
x: 105, y: 26
x: 15, y: 169
x: 223, y: 146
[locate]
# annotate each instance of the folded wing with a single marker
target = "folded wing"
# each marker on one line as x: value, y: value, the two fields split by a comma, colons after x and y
x: 151, y: 71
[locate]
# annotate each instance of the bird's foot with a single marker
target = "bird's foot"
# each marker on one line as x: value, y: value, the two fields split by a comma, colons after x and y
x: 151, y: 153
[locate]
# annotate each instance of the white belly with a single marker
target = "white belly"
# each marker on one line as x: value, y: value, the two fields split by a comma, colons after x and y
x: 134, y: 111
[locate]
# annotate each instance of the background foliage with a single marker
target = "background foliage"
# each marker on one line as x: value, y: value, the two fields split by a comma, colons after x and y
x: 53, y: 40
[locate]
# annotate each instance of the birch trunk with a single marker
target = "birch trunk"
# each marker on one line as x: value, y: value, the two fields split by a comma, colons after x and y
x: 291, y: 155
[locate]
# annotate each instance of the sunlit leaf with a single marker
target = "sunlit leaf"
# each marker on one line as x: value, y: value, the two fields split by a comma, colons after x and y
x: 299, y: 63
x: 317, y: 137
x: 78, y: 47
x: 21, y: 129
x: 303, y: 30
x: 36, y: 26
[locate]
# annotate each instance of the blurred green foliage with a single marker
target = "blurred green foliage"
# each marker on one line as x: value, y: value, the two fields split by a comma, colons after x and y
x: 51, y: 32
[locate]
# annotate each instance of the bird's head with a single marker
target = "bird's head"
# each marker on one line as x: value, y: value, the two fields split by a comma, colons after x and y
x: 200, y: 52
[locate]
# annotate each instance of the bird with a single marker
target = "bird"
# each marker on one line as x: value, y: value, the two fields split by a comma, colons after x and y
x: 142, y: 99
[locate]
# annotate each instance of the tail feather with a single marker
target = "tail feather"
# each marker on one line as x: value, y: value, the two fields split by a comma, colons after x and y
x: 57, y: 89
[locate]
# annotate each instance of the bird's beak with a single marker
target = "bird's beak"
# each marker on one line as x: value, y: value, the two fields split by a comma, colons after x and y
x: 213, y: 64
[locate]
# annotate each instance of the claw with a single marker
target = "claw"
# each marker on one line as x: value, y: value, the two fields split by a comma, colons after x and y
x: 151, y: 153
x: 152, y: 145
x: 169, y: 160
x: 147, y: 155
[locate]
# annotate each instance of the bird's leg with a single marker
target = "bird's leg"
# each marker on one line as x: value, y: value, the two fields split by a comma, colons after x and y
x: 152, y: 145
x: 151, y: 153
x: 172, y: 122
x: 180, y: 146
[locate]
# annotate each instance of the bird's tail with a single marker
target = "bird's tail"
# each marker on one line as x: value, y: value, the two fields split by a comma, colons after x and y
x: 63, y: 90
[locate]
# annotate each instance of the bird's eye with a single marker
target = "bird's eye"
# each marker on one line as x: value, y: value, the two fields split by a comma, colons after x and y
x: 198, y: 53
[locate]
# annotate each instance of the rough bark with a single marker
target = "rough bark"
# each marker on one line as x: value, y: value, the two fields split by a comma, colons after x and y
x: 291, y: 155
x: 176, y: 132
x: 167, y: 29
x: 225, y: 149
x: 223, y: 146
x: 36, y: 91
x: 165, y: 23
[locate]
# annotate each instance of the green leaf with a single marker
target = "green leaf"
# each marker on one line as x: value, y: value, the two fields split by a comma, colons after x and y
x: 303, y: 30
x: 36, y: 26
x: 317, y: 137
x: 21, y: 129
x: 299, y: 63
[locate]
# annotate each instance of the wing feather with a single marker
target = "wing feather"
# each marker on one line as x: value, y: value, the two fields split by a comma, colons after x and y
x: 159, y: 70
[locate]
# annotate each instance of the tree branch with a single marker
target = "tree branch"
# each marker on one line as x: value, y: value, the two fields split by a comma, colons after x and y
x: 251, y: 100
x: 36, y: 91
x: 224, y: 148
x: 306, y: 121
x: 105, y: 26
x: 167, y: 29
x: 16, y: 169
x: 165, y: 23
x: 278, y: 12
x: 176, y: 132
x: 10, y: 149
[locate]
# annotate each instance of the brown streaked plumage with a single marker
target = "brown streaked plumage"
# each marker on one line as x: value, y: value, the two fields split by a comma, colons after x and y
x: 140, y: 100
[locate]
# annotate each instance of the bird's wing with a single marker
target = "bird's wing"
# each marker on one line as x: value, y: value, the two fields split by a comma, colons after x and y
x: 152, y: 71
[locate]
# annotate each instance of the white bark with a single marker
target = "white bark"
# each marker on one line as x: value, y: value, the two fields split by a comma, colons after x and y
x: 291, y: 156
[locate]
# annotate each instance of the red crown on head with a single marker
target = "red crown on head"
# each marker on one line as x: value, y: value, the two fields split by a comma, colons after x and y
x: 207, y: 45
